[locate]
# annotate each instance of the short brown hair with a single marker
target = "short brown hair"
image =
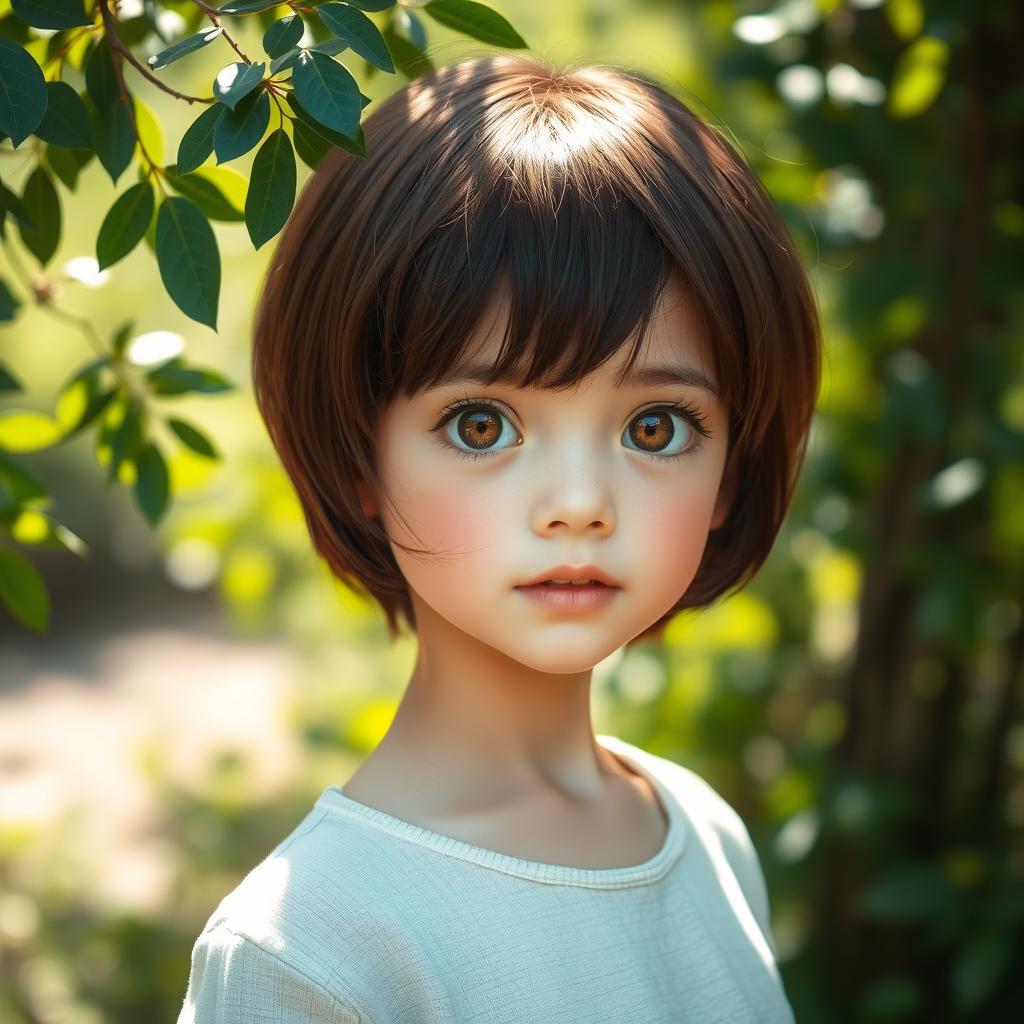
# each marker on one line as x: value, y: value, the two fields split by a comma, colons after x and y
x: 578, y: 190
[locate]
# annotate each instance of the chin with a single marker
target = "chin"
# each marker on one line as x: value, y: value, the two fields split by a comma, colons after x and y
x: 566, y: 655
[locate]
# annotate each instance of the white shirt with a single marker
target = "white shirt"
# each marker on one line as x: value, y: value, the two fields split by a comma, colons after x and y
x: 359, y: 916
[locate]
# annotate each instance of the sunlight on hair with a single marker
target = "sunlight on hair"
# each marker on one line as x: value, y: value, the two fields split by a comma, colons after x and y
x: 555, y: 137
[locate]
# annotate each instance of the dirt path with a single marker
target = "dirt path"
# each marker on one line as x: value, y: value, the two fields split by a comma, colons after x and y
x: 81, y: 710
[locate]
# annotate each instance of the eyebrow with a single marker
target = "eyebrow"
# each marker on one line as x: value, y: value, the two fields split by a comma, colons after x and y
x: 649, y: 376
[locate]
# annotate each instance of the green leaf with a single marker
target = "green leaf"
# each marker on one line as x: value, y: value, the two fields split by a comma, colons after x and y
x: 408, y: 58
x: 231, y: 185
x: 73, y: 401
x: 122, y: 336
x: 271, y: 189
x: 33, y: 526
x: 235, y: 81
x: 982, y: 963
x: 310, y: 146
x: 22, y: 590
x: 908, y: 892
x: 150, y: 235
x: 287, y: 59
x: 409, y: 26
x: 100, y: 78
x: 218, y: 191
x: 476, y: 20
x: 372, y: 5
x: 240, y: 129
x: 328, y: 92
x: 125, y: 224
x: 283, y: 35
x: 125, y: 439
x: 136, y: 29
x: 197, y: 142
x: 97, y: 405
x: 193, y: 438
x: 8, y: 303
x: 67, y: 163
x: 906, y: 17
x: 81, y: 400
x: 66, y: 122
x: 918, y: 77
x: 25, y: 430
x: 356, y: 29
x: 114, y: 139
x: 152, y: 484
x: 113, y: 417
x: 358, y: 147
x: 8, y: 382
x: 51, y: 13
x: 183, y: 47
x: 189, y: 261
x: 42, y: 203
x: 10, y: 201
x: 247, y: 6
x: 18, y: 487
x: 23, y: 92
x: 151, y: 135
x: 175, y: 378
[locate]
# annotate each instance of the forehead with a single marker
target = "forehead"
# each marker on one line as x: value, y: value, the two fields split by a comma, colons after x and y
x: 675, y: 339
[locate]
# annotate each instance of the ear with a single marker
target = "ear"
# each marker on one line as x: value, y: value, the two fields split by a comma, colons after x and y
x: 726, y: 493
x: 366, y: 499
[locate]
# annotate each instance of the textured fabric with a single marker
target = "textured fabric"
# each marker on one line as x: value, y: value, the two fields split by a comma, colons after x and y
x: 358, y: 916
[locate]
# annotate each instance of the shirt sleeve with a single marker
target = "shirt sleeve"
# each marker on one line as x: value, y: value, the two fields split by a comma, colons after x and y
x: 742, y: 856
x: 234, y: 980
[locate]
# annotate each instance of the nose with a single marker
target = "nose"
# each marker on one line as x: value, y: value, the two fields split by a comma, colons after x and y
x: 575, y: 501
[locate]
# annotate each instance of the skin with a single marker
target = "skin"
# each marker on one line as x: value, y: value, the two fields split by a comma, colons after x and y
x: 493, y: 742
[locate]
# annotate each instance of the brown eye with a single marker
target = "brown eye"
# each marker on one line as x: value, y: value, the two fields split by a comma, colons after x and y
x: 655, y: 430
x: 475, y: 428
x: 479, y: 429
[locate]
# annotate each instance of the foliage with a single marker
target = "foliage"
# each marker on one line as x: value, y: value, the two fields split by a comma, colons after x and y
x: 860, y: 702
x: 41, y: 41
x: 883, y: 713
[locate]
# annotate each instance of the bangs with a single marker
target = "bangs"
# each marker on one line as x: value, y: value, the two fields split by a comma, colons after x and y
x: 546, y: 201
x: 575, y: 276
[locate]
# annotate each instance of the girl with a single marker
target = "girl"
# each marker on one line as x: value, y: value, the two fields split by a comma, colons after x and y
x: 541, y: 368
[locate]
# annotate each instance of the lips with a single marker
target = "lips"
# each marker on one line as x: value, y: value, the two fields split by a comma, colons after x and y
x: 569, y: 598
x: 596, y: 576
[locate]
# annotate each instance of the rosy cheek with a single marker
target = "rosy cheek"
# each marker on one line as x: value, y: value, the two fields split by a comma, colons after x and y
x: 460, y: 521
x: 671, y: 545
x: 457, y: 518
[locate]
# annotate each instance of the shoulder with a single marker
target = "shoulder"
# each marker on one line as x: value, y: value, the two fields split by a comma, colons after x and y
x: 699, y: 797
x: 234, y: 980
x: 720, y: 828
x: 289, y: 930
x: 316, y: 875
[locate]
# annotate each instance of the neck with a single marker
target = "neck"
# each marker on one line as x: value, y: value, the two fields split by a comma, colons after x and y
x: 479, y: 725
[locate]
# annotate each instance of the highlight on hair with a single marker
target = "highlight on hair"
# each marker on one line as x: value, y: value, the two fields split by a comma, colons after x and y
x: 572, y: 193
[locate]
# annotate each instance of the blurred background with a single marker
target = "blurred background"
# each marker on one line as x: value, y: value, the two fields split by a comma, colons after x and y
x: 859, y: 703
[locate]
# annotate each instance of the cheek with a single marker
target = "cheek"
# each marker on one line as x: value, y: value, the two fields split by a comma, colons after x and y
x: 453, y: 520
x: 454, y: 517
x: 667, y: 545
x: 681, y: 541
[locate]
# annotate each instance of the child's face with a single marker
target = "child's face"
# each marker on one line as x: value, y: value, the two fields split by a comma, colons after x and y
x: 566, y: 477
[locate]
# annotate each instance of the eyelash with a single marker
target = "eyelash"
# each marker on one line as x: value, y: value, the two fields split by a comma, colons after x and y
x: 688, y: 412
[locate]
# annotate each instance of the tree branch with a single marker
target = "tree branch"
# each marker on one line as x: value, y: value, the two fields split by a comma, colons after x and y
x: 214, y: 15
x: 109, y: 22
